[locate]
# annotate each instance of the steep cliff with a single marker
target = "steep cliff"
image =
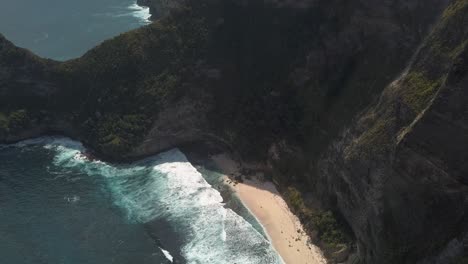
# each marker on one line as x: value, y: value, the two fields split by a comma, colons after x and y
x: 23, y: 74
x: 110, y: 96
x: 398, y: 175
x: 359, y: 105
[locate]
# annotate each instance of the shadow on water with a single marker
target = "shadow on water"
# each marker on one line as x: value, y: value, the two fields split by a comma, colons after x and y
x: 158, y: 208
x: 158, y: 229
x: 51, y: 213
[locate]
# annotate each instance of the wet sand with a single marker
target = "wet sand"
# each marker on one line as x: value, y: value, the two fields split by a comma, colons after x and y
x: 266, y: 204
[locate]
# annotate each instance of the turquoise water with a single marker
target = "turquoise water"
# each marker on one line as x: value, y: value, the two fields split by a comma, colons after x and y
x: 64, y: 29
x: 59, y: 207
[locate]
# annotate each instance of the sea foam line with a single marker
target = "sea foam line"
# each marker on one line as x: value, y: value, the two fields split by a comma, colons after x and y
x: 168, y: 187
x: 167, y: 254
x: 140, y: 12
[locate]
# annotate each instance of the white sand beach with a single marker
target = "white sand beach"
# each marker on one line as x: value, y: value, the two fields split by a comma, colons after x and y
x: 283, y: 228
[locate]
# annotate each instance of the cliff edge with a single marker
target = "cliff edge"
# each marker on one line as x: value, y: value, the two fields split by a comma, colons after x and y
x: 357, y: 110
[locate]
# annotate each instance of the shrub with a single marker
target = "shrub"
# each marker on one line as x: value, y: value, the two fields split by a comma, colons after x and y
x: 116, y: 135
x: 294, y: 198
x: 462, y: 260
x: 420, y: 90
x: 323, y: 222
x: 18, y: 119
x: 3, y: 124
x: 328, y: 229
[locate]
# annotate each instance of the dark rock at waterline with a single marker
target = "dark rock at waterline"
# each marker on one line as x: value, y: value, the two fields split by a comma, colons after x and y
x: 319, y: 94
x: 159, y: 8
x: 164, y: 236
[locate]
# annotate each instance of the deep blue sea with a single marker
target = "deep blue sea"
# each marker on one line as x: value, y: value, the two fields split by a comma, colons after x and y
x: 57, y: 207
x: 64, y: 29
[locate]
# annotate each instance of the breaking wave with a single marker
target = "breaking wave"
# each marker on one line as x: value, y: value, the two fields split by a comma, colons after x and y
x: 167, y: 187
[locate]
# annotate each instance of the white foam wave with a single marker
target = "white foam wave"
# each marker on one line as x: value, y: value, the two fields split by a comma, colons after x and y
x: 168, y: 187
x: 41, y: 141
x: 140, y: 12
x: 43, y: 37
x: 72, y: 199
x: 167, y: 255
x: 223, y: 232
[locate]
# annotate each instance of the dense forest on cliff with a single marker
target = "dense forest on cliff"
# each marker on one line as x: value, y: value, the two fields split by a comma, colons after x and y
x: 363, y: 104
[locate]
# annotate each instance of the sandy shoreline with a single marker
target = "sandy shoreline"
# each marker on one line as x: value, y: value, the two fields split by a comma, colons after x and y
x: 265, y: 203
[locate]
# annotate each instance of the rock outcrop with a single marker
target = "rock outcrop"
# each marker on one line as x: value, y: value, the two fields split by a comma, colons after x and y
x: 159, y: 8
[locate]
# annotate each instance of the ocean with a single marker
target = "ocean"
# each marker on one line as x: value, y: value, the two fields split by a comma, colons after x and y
x: 56, y: 206
x: 65, y: 29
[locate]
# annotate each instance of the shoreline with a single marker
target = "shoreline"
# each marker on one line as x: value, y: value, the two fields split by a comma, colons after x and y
x: 265, y: 203
x: 261, y: 198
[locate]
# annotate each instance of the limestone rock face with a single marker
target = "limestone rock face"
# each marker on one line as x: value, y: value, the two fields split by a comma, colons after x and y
x: 398, y: 175
x: 363, y: 103
x: 182, y: 123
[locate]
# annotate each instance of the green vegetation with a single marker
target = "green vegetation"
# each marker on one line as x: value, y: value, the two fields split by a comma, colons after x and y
x: 117, y: 89
x: 455, y: 8
x: 420, y: 90
x: 377, y: 138
x: 4, y: 127
x: 255, y: 98
x: 294, y: 198
x: 462, y: 260
x: 14, y: 121
x: 116, y: 135
x: 329, y: 232
x: 449, y: 36
x: 415, y: 91
x: 456, y: 51
x: 160, y: 89
x: 280, y: 75
x: 18, y: 119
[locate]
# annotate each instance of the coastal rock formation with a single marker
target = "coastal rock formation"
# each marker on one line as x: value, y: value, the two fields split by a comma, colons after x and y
x: 23, y: 74
x: 359, y: 106
x: 159, y: 8
x: 398, y: 175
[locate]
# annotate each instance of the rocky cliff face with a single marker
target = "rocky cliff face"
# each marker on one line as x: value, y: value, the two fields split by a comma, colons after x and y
x: 398, y: 174
x: 23, y: 74
x: 362, y: 104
